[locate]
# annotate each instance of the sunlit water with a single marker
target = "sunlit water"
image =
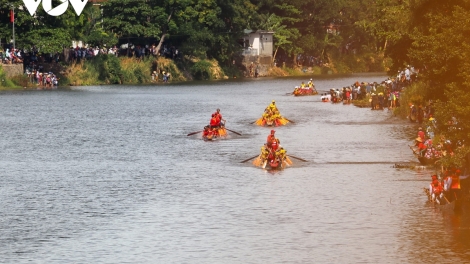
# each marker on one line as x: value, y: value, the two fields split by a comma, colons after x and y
x: 107, y: 175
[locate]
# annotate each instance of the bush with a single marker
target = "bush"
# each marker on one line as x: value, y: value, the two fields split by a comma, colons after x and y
x: 201, y: 70
x: 109, y: 68
x: 412, y: 94
x: 22, y: 81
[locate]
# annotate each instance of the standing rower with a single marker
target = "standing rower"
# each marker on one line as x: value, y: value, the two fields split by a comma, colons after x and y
x: 219, y: 116
x: 272, y: 141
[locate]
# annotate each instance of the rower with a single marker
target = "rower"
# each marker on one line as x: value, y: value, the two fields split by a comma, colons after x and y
x: 281, y: 154
x: 421, y: 147
x: 205, y: 133
x: 219, y: 116
x: 421, y: 133
x: 272, y: 142
x: 272, y: 106
x: 264, y: 152
x: 437, y: 193
x: 310, y: 83
x: 214, y: 122
x: 302, y: 85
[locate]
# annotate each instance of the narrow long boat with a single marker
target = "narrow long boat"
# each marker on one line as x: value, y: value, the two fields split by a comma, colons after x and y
x: 272, y: 161
x: 220, y: 132
x: 445, y: 205
x: 298, y: 91
x: 427, y: 161
x: 269, y: 122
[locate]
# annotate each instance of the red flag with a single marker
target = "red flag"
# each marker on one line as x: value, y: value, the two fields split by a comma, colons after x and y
x: 12, y: 16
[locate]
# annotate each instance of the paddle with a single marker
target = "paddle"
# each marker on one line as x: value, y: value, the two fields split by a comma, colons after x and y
x: 253, y: 122
x: 297, y: 158
x: 249, y: 159
x: 190, y: 134
x: 264, y: 164
x: 234, y: 132
x: 290, y: 120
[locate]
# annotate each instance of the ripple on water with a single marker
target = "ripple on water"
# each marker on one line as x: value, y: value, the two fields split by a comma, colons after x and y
x: 107, y: 174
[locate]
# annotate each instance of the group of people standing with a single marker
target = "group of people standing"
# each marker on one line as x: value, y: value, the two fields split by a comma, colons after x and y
x: 380, y: 96
x: 38, y: 76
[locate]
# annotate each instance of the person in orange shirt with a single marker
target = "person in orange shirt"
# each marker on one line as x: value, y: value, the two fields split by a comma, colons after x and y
x: 272, y: 141
x: 437, y: 193
x: 219, y: 116
x: 421, y: 148
x: 214, y: 122
x: 455, y: 185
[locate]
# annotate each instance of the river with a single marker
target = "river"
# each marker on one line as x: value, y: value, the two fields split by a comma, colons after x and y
x: 106, y: 174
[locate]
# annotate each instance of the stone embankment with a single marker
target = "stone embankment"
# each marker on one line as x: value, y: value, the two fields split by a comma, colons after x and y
x: 12, y: 70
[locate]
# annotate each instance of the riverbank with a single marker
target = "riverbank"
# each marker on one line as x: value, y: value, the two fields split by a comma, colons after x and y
x: 108, y: 69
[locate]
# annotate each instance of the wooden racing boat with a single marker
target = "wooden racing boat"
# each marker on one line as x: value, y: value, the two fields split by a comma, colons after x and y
x: 298, y: 91
x: 269, y: 122
x: 427, y: 161
x: 214, y: 134
x: 272, y: 160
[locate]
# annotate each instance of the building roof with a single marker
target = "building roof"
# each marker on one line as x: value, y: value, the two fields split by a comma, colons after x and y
x: 249, y: 31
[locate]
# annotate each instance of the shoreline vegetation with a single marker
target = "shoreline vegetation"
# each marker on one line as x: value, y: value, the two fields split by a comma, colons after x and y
x: 108, y: 69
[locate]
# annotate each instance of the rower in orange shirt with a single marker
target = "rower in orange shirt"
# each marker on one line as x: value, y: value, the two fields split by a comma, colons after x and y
x: 214, y: 122
x: 219, y: 116
x: 272, y: 141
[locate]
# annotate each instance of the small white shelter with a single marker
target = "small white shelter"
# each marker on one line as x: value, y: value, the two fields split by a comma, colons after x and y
x: 258, y: 42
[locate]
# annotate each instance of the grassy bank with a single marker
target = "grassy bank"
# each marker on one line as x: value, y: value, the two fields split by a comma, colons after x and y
x: 338, y: 64
x: 6, y: 83
x: 108, y: 69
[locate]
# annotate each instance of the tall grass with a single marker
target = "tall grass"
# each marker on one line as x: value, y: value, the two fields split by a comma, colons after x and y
x: 108, y: 69
x: 5, y: 82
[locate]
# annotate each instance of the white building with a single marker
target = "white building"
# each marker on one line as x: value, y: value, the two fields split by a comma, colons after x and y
x: 258, y: 42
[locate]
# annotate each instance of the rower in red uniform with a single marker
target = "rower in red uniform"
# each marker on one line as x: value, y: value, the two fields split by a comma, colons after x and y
x: 214, y: 123
x: 219, y: 116
x: 421, y: 148
x: 421, y: 134
x: 206, y: 132
x: 272, y: 141
x: 437, y: 194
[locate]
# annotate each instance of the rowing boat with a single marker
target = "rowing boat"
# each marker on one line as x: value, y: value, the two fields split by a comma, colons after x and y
x: 280, y: 121
x: 298, y: 91
x: 427, y: 161
x: 217, y: 133
x: 272, y: 159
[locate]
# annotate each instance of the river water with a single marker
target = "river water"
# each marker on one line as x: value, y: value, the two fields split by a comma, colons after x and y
x: 106, y: 174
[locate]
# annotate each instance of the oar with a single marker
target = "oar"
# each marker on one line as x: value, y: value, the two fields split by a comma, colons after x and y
x: 414, y: 151
x: 289, y: 120
x: 190, y: 134
x: 234, y: 132
x: 253, y: 122
x: 297, y: 158
x: 249, y: 159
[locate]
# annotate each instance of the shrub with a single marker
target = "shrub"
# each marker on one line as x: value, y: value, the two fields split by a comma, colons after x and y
x: 201, y: 70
